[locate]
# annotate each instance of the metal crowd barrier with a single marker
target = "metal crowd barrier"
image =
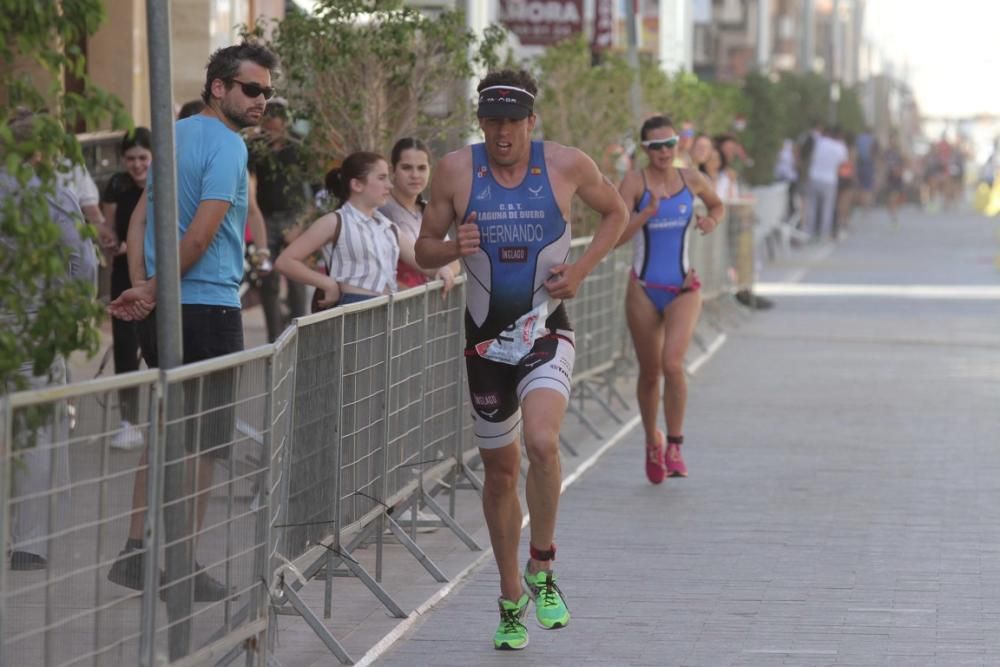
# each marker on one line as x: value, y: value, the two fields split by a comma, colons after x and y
x: 305, y: 449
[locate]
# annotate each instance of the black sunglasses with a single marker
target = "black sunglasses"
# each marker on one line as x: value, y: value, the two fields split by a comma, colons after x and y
x: 660, y: 144
x: 253, y: 90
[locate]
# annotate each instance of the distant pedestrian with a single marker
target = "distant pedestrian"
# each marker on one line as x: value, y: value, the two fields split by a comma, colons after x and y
x: 821, y: 191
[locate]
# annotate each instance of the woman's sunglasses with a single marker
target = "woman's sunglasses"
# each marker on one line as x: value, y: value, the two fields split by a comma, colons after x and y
x: 660, y: 144
x: 253, y: 90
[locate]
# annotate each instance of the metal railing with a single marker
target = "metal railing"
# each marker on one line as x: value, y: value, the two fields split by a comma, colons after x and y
x: 296, y: 453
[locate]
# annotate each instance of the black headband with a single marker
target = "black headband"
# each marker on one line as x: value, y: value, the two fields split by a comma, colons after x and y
x: 505, y: 102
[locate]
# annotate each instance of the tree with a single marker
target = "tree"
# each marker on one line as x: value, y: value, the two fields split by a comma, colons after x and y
x: 32, y: 260
x: 585, y: 106
x: 364, y: 73
x: 767, y: 126
x: 711, y: 106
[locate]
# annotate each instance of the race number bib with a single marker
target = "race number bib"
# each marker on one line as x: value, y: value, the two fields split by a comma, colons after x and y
x: 516, y: 341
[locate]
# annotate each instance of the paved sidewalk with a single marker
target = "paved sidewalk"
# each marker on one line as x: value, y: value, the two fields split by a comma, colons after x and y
x: 844, y: 500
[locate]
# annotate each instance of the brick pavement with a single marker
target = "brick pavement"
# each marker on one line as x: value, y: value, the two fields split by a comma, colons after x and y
x: 843, y: 504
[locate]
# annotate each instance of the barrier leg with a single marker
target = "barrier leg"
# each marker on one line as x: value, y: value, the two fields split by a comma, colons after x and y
x: 451, y: 523
x: 317, y: 626
x: 416, y: 551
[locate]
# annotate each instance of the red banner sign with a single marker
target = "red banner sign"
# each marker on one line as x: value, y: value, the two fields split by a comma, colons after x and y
x: 542, y: 22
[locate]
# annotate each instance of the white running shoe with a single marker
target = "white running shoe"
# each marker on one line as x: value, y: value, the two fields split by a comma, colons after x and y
x: 129, y: 436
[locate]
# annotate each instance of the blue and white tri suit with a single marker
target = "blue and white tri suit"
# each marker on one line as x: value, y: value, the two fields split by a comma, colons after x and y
x: 522, y: 235
x: 660, y: 260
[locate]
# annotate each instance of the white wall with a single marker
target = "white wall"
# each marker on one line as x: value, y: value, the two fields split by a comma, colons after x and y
x: 676, y: 35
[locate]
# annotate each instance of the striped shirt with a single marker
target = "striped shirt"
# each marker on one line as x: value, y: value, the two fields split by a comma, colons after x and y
x: 366, y: 252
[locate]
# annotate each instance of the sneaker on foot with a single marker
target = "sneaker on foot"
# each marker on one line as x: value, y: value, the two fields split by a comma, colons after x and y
x: 129, y: 436
x: 206, y: 588
x: 551, y: 611
x: 25, y: 560
x: 512, y: 634
x: 675, y: 462
x: 127, y: 569
x: 654, y: 460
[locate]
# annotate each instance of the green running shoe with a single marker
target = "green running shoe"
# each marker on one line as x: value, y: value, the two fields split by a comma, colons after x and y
x: 512, y: 634
x: 550, y: 605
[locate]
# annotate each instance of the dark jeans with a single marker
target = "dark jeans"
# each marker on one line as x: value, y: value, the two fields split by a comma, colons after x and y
x: 208, y: 332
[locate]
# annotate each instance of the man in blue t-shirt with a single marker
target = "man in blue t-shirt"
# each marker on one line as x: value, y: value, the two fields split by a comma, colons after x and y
x: 211, y: 214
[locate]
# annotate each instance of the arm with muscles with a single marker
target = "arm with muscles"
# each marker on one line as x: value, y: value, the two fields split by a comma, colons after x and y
x: 702, y: 188
x: 597, y: 192
x: 291, y: 261
x: 446, y: 273
x: 630, y: 191
x: 432, y: 249
x: 196, y: 240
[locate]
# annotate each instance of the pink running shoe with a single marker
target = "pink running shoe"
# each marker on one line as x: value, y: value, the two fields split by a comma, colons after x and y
x: 655, y: 470
x: 674, y: 461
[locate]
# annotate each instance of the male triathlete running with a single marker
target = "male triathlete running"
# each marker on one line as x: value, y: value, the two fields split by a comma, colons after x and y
x: 512, y: 196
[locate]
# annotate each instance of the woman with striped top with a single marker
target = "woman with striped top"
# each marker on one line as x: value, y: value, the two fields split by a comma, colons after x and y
x: 366, y: 244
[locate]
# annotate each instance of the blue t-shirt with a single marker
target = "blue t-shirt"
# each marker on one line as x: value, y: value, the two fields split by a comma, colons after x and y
x: 211, y: 165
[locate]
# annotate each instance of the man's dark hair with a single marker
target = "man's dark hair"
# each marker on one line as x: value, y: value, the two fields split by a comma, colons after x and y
x: 509, y: 77
x: 654, y: 123
x: 225, y: 64
x: 189, y: 109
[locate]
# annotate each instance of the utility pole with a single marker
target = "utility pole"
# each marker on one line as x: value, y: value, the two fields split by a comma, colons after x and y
x: 808, y: 49
x: 763, y: 36
x: 632, y: 35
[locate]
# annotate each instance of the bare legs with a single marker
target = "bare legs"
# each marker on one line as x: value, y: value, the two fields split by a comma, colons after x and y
x: 543, y: 411
x: 660, y: 345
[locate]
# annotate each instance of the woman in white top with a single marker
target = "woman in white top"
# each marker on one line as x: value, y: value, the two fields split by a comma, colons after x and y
x: 411, y: 170
x: 366, y: 244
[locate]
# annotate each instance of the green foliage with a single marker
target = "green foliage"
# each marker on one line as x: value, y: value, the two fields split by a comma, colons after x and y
x: 365, y: 73
x: 767, y: 126
x: 711, y: 106
x: 584, y: 106
x: 32, y: 260
x: 850, y: 114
